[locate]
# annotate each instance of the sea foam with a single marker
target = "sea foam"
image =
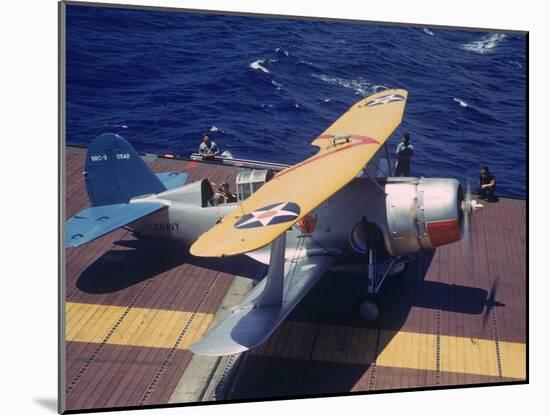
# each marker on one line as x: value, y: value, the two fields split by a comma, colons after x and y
x: 277, y: 84
x: 284, y: 52
x: 485, y: 44
x: 460, y: 102
x: 361, y: 86
x: 256, y: 65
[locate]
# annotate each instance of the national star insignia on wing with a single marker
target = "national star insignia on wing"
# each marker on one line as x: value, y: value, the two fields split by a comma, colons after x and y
x: 269, y: 215
x: 385, y: 100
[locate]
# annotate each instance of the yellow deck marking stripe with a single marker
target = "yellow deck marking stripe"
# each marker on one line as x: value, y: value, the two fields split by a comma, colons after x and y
x: 465, y: 355
x: 403, y: 349
x: 148, y: 327
x: 399, y: 349
x: 145, y: 327
x: 512, y: 365
x: 88, y: 321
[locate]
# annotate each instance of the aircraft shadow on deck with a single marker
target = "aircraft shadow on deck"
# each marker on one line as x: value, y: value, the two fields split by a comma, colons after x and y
x: 133, y: 261
x: 335, y: 301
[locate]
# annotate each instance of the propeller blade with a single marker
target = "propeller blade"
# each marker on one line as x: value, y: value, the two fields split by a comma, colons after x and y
x: 466, y: 243
x: 469, y: 206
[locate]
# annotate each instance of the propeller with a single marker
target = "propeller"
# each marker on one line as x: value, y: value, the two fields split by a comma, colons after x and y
x: 469, y: 206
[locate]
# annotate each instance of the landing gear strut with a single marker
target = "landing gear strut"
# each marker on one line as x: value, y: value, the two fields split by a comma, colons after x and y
x: 376, y: 273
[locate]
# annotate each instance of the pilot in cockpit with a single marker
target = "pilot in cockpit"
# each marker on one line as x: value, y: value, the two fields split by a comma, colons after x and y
x: 223, y: 195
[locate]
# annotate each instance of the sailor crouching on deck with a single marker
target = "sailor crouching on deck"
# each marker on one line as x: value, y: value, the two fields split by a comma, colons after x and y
x: 404, y: 154
x: 487, y: 184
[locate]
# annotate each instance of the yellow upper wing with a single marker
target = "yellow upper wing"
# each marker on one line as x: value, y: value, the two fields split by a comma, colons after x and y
x: 344, y: 149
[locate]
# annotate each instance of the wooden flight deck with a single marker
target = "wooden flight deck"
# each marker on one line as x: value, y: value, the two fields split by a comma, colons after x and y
x: 134, y: 307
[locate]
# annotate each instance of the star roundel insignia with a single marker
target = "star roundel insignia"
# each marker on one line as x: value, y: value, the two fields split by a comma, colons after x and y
x: 385, y: 100
x: 269, y: 215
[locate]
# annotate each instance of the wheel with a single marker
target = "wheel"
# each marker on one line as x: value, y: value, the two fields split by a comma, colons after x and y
x: 368, y: 310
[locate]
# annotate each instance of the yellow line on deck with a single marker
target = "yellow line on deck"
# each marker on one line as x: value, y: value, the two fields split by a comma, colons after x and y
x: 146, y: 327
x: 399, y: 349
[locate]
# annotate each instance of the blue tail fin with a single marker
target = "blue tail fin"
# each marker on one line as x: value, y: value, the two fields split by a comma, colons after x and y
x: 115, y: 172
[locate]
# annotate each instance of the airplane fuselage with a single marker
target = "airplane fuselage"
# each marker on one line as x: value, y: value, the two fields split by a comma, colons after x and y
x: 401, y: 208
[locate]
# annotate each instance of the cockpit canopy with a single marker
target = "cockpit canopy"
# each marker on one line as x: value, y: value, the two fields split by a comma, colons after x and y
x: 249, y: 181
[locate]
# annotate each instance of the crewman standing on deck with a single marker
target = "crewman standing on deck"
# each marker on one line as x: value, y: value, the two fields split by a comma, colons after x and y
x: 208, y: 149
x: 404, y: 154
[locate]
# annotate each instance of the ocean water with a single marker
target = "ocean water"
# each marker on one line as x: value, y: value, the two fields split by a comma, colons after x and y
x: 266, y: 87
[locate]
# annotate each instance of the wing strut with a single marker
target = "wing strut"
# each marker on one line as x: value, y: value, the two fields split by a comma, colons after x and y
x: 372, y: 179
x: 273, y: 291
x: 388, y: 159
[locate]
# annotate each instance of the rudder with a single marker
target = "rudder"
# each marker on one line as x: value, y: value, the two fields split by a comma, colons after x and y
x: 115, y: 172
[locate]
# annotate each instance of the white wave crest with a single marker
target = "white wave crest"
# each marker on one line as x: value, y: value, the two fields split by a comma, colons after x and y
x: 277, y: 84
x: 284, y: 52
x: 516, y: 64
x: 485, y: 44
x: 256, y: 65
x: 268, y: 107
x: 215, y: 129
x: 428, y: 31
x: 361, y: 86
x: 461, y: 102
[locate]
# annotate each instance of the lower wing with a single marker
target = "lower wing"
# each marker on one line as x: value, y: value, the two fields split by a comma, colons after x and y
x: 252, y: 322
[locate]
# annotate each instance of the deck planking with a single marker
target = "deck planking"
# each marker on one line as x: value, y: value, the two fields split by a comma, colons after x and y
x: 323, y: 347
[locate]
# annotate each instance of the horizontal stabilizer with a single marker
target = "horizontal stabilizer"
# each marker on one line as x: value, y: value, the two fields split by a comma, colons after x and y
x: 173, y: 179
x: 97, y: 221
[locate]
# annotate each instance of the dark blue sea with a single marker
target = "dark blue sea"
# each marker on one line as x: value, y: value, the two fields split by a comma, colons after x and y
x: 266, y: 87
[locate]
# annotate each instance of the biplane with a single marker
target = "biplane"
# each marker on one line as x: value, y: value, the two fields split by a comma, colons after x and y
x: 340, y: 206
